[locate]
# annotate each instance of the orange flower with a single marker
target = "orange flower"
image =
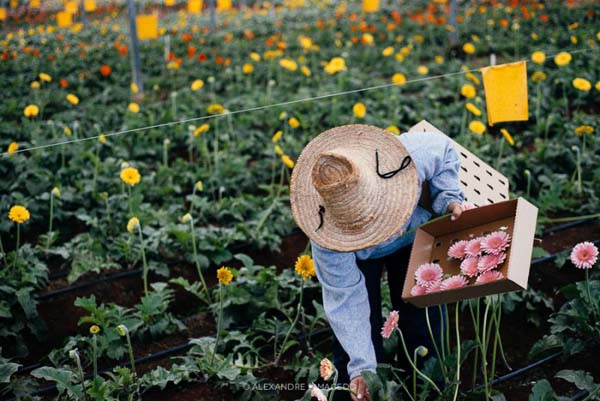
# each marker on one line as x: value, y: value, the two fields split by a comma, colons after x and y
x: 105, y: 70
x: 123, y: 50
x: 63, y: 82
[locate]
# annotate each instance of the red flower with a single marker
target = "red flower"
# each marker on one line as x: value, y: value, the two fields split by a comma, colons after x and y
x: 123, y: 50
x: 191, y: 51
x: 105, y: 70
x: 63, y: 82
x: 187, y: 37
x: 202, y: 57
x: 219, y: 60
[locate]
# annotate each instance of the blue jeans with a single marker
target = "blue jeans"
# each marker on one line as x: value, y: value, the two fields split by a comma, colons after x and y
x: 412, y: 321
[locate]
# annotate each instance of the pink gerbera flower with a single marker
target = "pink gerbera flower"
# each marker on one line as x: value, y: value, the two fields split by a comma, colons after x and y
x: 457, y: 250
x: 488, y: 277
x: 495, y: 243
x: 390, y: 324
x: 489, y: 262
x: 473, y: 247
x: 428, y: 273
x: 468, y: 267
x: 584, y: 255
x: 453, y: 282
x: 418, y: 290
x: 435, y: 287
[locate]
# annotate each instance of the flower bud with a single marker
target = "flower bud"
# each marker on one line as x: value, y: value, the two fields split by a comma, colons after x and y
x: 422, y: 351
x: 122, y: 330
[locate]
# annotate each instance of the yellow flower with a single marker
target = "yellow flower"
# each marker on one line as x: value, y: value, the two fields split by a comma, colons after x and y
x: 283, y: 115
x: 74, y: 100
x: 393, y: 129
x: 477, y: 127
x: 562, y: 59
x: 582, y: 84
x: 367, y: 39
x: 67, y: 131
x: 473, y: 109
x: 473, y: 78
x: 31, y: 110
x: 305, y: 267
x: 277, y: 136
x: 35, y: 85
x: 12, y: 148
x: 405, y: 51
x: 584, y: 129
x: 507, y: 136
x: 398, y: 78
x: 439, y: 59
x: 278, y: 150
x: 305, y: 42
x: 102, y: 139
x: 186, y: 217
x: 56, y: 192
x: 134, y: 88
x: 293, y: 122
x: 19, y: 214
x: 288, y: 64
x: 469, y: 48
x: 133, y: 107
x: 468, y: 91
x: 215, y: 108
x: 130, y: 175
x: 201, y: 129
x: 538, y: 76
x: 224, y: 275
x: 335, y: 65
x: 94, y: 329
x: 399, y: 57
x: 597, y: 86
x: 254, y: 56
x: 247, y: 68
x: 422, y: 70
x: 305, y: 70
x: 359, y: 109
x: 44, y: 77
x: 538, y: 57
x: 287, y: 161
x: 197, y: 85
x: 132, y: 224
x: 388, y: 51
x: 199, y: 186
x: 573, y: 39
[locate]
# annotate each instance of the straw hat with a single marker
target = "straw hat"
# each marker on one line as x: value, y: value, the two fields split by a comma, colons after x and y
x: 353, y: 187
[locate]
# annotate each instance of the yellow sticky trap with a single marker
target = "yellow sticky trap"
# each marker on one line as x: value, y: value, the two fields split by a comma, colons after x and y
x: 147, y: 27
x: 2, y: 13
x: 370, y: 6
x: 195, y: 6
x: 71, y: 7
x: 64, y: 19
x: 223, y: 5
x: 89, y: 6
x: 505, y: 88
x: 34, y: 4
x: 169, y: 3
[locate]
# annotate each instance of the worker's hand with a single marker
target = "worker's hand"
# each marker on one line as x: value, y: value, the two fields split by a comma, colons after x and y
x: 359, y: 389
x: 457, y: 208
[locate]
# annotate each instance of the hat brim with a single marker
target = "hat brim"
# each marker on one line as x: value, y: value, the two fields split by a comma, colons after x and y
x: 392, y: 201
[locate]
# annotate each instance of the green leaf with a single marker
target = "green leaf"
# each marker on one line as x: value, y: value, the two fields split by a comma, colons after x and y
x: 63, y: 378
x: 245, y: 259
x: 581, y: 379
x: 7, y: 369
x: 542, y: 391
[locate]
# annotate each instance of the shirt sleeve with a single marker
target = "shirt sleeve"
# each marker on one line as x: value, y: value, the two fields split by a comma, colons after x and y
x: 346, y: 305
x: 443, y: 183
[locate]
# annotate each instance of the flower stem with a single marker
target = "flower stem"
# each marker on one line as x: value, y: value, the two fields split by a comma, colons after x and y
x: 457, y: 351
x: 423, y: 375
x: 219, y: 318
x: 435, y: 347
x: 197, y: 261
x: 589, y: 292
x: 95, y: 355
x: 145, y: 263
x: 299, y: 310
x: 51, y: 219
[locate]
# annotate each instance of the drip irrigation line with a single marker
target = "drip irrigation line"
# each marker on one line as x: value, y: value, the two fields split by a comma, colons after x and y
x: 564, y: 226
x: 269, y: 106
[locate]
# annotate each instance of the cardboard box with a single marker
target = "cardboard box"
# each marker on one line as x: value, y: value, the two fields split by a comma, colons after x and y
x: 489, y: 190
x: 432, y: 241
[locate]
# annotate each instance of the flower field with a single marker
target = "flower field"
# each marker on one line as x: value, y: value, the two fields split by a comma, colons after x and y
x: 147, y: 246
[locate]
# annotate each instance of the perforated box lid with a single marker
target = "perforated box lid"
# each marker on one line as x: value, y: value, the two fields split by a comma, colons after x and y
x: 481, y: 184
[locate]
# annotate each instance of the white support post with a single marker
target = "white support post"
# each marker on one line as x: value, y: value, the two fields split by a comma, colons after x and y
x: 136, y: 68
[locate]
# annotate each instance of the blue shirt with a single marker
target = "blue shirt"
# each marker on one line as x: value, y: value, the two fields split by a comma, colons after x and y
x: 345, y: 296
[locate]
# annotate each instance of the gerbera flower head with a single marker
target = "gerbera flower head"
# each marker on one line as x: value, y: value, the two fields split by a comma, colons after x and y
x: 224, y: 275
x: 391, y: 323
x: 132, y: 224
x: 19, y: 214
x: 130, y: 175
x: 326, y: 369
x: 584, y: 255
x: 453, y: 282
x: 468, y: 267
x: 473, y: 247
x: 418, y: 290
x: 495, y: 243
x: 437, y: 286
x: 488, y: 277
x: 457, y: 250
x: 305, y: 267
x: 489, y: 262
x: 428, y: 273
